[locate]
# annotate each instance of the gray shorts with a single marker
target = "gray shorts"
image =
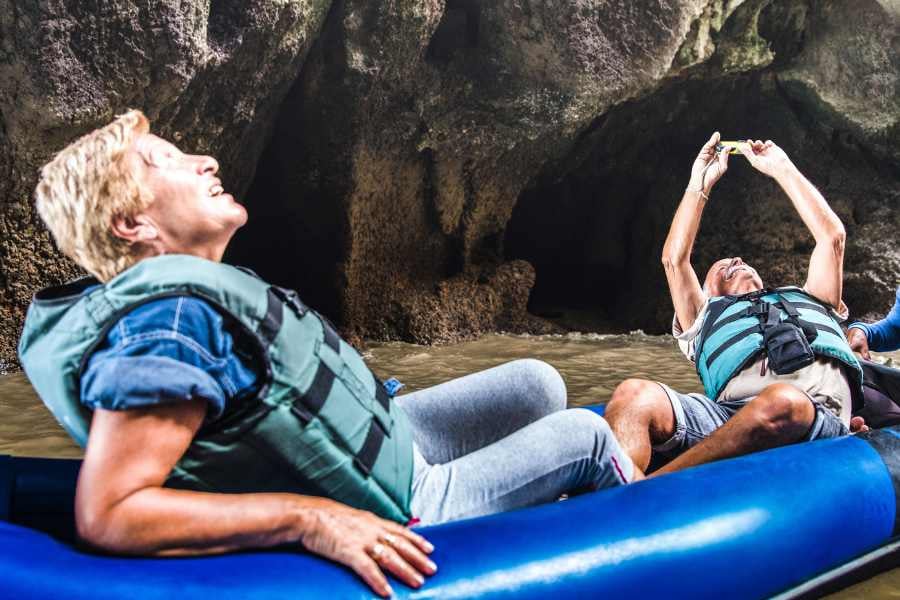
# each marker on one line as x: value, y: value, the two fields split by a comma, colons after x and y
x: 696, y: 417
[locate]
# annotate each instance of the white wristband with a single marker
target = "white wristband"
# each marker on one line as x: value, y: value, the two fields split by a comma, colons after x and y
x: 700, y: 191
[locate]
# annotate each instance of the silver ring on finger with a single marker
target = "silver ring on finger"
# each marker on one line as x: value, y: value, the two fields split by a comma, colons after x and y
x: 378, y: 550
x: 389, y: 539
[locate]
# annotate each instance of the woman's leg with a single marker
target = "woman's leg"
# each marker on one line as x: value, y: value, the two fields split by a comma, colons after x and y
x: 460, y: 416
x: 562, y: 452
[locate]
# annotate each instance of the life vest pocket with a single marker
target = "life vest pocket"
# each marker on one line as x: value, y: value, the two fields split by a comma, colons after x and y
x: 787, y: 348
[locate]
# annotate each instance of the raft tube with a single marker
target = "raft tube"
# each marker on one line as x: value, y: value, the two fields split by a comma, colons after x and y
x: 749, y: 527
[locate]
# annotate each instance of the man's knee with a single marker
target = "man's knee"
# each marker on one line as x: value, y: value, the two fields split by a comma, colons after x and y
x: 783, y: 411
x: 543, y: 384
x: 637, y: 398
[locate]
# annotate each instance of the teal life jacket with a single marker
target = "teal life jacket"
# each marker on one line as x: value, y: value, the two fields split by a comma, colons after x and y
x: 321, y: 423
x: 733, y: 334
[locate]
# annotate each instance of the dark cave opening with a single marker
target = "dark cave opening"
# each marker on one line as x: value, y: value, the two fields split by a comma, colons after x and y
x: 594, y: 233
x: 293, y: 236
x: 457, y: 31
x: 296, y: 232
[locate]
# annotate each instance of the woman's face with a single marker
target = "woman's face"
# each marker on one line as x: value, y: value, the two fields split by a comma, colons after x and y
x: 190, y: 209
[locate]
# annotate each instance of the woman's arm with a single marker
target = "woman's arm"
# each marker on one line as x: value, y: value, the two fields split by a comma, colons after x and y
x: 684, y: 286
x: 121, y: 506
x: 826, y: 265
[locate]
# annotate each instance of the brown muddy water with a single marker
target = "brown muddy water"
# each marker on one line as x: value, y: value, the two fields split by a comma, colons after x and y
x: 591, y: 364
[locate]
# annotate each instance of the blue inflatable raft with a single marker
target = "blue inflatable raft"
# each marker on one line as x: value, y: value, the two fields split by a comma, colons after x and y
x: 751, y: 527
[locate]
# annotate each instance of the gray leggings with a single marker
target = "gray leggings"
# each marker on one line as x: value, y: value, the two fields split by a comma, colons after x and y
x: 502, y: 439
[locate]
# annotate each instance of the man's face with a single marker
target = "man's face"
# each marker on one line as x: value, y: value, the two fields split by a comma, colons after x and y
x: 190, y: 209
x: 731, y: 276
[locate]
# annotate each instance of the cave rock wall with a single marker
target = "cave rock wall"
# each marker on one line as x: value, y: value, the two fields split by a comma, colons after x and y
x: 416, y: 168
x: 827, y: 92
x: 210, y: 75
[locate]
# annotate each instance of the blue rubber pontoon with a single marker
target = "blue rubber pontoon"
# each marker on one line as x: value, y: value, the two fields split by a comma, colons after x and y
x: 772, y: 523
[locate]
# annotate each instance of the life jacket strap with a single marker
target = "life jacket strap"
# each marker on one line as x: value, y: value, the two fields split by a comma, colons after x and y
x: 271, y: 322
x: 368, y: 453
x: 736, y: 338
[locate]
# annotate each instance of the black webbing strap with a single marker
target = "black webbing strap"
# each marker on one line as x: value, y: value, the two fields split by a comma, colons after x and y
x: 815, y: 307
x: 809, y: 329
x: 271, y: 323
x: 731, y: 342
x: 368, y: 453
x: 299, y: 409
x: 291, y: 298
x: 332, y: 339
x: 315, y: 396
x: 789, y: 308
x: 773, y: 316
x: 715, y: 311
x: 384, y: 399
x: 754, y: 310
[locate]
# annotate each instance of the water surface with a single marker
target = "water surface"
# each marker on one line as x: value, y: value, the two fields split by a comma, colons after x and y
x: 592, y: 365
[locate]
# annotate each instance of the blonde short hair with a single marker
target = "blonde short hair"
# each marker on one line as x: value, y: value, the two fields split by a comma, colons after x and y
x: 85, y: 186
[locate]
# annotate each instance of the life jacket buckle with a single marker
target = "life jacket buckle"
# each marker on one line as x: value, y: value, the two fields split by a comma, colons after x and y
x: 392, y: 386
x: 759, y: 309
x: 292, y: 299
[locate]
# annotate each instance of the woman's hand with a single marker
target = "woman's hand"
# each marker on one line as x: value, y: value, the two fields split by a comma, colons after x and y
x: 766, y: 157
x: 709, y: 166
x: 859, y: 343
x: 367, y: 544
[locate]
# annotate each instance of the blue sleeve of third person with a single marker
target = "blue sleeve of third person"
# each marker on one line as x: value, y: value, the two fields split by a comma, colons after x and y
x: 884, y: 335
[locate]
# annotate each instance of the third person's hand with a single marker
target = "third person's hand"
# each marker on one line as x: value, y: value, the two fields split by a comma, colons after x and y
x: 859, y: 343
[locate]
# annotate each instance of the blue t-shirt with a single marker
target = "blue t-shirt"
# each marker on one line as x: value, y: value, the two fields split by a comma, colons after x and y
x: 167, y: 350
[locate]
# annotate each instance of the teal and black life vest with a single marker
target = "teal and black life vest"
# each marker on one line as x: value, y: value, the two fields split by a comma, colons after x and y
x: 321, y: 423
x: 734, y: 334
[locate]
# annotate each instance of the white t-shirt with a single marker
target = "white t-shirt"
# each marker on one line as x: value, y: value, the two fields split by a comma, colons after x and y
x: 824, y: 380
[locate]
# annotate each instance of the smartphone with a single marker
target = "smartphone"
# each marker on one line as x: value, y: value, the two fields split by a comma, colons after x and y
x: 732, y: 147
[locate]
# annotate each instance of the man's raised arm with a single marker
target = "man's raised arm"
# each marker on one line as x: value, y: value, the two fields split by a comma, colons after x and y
x: 687, y: 295
x: 826, y: 265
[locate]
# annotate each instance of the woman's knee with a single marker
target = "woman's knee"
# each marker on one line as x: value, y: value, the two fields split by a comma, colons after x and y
x: 583, y: 426
x: 542, y: 385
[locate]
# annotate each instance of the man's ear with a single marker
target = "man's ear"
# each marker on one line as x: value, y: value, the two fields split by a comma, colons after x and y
x: 137, y: 228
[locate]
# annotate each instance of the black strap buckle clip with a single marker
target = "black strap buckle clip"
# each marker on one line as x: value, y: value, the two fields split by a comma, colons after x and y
x: 759, y: 309
x: 292, y: 299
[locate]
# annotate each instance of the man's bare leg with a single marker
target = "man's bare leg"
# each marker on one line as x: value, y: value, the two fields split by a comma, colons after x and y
x: 640, y: 415
x: 780, y: 415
